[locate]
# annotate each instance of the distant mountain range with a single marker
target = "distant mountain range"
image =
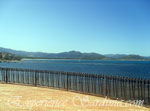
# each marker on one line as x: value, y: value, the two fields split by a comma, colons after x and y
x: 73, y: 55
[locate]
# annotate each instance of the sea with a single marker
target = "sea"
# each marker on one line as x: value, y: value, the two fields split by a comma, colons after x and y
x: 136, y: 69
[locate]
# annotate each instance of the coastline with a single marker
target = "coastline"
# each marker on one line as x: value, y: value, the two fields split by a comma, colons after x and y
x: 81, y: 59
x: 11, y: 61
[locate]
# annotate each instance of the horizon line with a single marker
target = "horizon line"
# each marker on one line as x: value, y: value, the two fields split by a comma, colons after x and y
x: 75, y: 51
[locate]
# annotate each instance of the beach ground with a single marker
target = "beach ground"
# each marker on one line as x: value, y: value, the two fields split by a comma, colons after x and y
x: 29, y: 98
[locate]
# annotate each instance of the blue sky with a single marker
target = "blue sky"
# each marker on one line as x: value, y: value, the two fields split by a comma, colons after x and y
x: 102, y: 26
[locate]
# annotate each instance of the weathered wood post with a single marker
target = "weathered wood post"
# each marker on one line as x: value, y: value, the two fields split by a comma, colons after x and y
x: 106, y: 85
x: 109, y: 79
x: 123, y: 82
x: 95, y: 78
x: 144, y: 88
x: 35, y: 78
x: 125, y: 88
x: 102, y: 84
x: 6, y: 75
x: 138, y: 83
x: 129, y: 80
x: 113, y: 80
x: 85, y: 79
x: 117, y: 85
x: 88, y: 83
x: 67, y: 80
x: 58, y: 79
x: 134, y: 81
x: 141, y: 83
x: 148, y: 84
x: 52, y: 78
x: 75, y: 82
x: 99, y: 84
x: 121, y: 87
x: 22, y: 76
x: 85, y: 82
x: 13, y: 76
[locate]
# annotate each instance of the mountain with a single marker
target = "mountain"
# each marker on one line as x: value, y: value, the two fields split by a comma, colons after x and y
x: 134, y: 57
x: 73, y: 55
x: 115, y: 55
x: 23, y: 53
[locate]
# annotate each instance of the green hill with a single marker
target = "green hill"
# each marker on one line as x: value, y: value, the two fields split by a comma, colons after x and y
x: 8, y: 56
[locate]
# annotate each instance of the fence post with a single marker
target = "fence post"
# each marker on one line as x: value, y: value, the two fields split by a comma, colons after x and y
x: 148, y: 82
x: 106, y: 86
x: 109, y: 79
x: 129, y: 80
x: 67, y: 81
x: 35, y: 78
x: 6, y: 77
x: 141, y: 88
x: 144, y: 88
x: 113, y: 80
x: 138, y: 83
x: 88, y: 82
x: 134, y: 81
x: 95, y: 79
x: 117, y: 85
x: 125, y: 88
x: 121, y: 87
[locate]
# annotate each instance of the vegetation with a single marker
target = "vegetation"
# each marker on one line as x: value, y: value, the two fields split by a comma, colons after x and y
x: 8, y: 57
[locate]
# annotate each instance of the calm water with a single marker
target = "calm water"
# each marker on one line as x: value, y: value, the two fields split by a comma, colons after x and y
x: 140, y: 69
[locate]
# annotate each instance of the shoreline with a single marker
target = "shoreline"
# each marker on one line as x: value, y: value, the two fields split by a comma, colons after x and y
x: 80, y: 59
x: 11, y: 61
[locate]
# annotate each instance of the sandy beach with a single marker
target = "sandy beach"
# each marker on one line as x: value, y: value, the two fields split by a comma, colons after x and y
x: 28, y: 98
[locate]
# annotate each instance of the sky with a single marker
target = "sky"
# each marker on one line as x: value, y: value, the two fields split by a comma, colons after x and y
x: 101, y: 26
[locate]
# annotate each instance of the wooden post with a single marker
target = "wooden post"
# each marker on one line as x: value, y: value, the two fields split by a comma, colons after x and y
x: 28, y: 76
x: 35, y: 78
x: 95, y: 78
x: 22, y: 76
x: 125, y: 88
x: 99, y: 84
x: 88, y: 82
x: 113, y: 79
x: 116, y: 85
x: 53, y: 79
x: 13, y: 78
x: 138, y: 83
x: 6, y: 77
x: 81, y: 76
x: 103, y: 77
x: 144, y: 88
x: 134, y: 89
x: 71, y: 75
x: 91, y: 83
x: 148, y: 84
x: 58, y: 78
x: 121, y: 87
x: 123, y: 81
x: 110, y: 78
x: 75, y: 81
x: 106, y: 85
x: 141, y: 88
x: 67, y: 80
x: 129, y: 87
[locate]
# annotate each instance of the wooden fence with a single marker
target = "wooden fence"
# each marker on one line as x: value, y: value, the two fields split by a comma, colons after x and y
x: 122, y: 88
